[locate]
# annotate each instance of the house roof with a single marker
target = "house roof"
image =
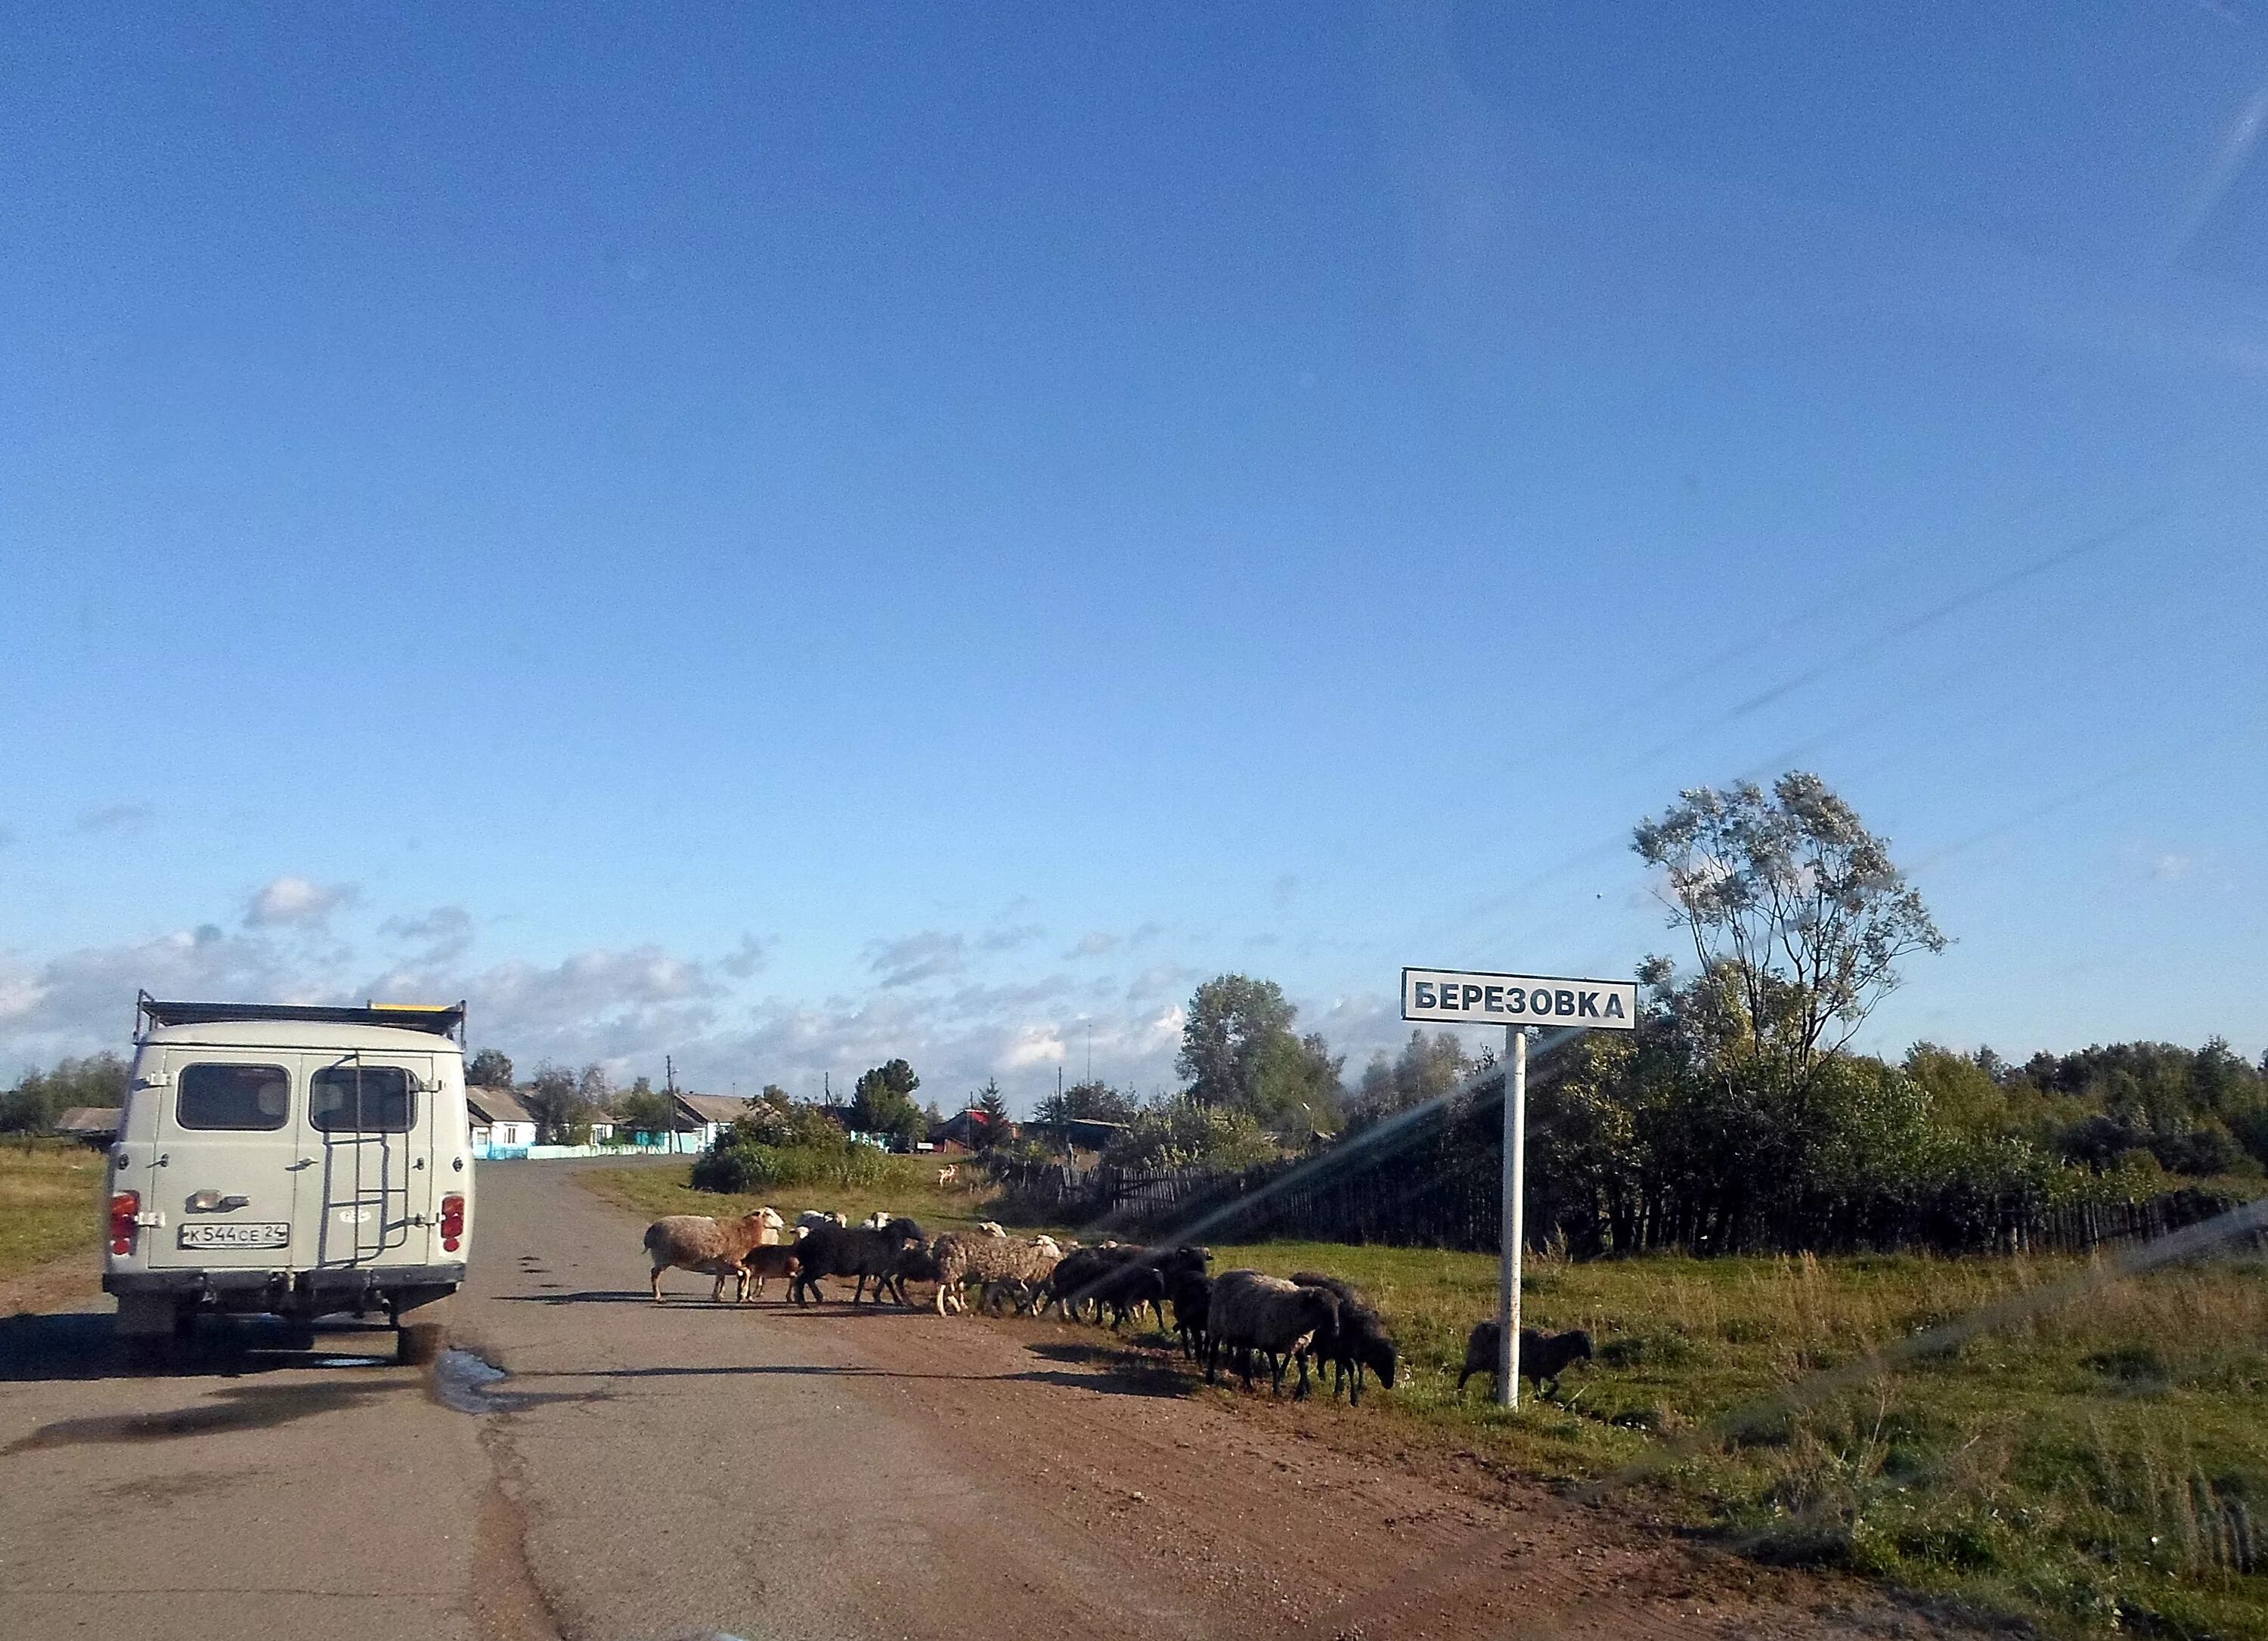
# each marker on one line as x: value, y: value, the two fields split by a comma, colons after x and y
x: 497, y: 1105
x: 713, y: 1107
x: 89, y: 1120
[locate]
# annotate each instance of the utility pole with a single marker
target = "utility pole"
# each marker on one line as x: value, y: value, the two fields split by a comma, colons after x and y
x: 669, y: 1074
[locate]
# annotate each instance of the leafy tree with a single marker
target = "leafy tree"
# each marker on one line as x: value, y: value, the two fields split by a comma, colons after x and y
x: 1234, y: 1022
x: 1238, y: 1050
x: 556, y: 1099
x: 1095, y: 1101
x: 1797, y: 905
x: 41, y: 1097
x: 642, y: 1109
x: 1426, y: 1069
x: 1185, y: 1133
x: 488, y: 1069
x: 884, y: 1103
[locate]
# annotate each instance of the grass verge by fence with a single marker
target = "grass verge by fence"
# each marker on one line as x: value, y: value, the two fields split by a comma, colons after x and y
x: 2095, y: 1468
x: 50, y: 1201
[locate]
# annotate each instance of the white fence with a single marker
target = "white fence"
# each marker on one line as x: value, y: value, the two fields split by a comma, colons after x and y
x: 655, y: 1145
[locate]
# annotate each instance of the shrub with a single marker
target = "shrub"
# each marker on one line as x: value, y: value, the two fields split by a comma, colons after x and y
x: 1182, y: 1133
x: 742, y: 1163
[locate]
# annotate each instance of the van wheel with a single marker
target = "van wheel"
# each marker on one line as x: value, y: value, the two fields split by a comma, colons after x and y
x: 417, y: 1343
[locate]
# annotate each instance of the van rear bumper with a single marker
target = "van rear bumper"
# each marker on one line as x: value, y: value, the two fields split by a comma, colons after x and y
x: 331, y: 1288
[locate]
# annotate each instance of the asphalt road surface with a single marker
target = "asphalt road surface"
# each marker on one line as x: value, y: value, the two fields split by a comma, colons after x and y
x: 691, y: 1471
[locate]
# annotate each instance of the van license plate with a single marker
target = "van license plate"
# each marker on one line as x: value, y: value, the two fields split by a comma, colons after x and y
x: 236, y: 1236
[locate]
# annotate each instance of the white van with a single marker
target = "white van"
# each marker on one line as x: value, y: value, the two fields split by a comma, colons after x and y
x: 294, y: 1160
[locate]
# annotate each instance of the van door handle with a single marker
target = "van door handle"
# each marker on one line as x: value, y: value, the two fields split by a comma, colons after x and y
x: 304, y: 1162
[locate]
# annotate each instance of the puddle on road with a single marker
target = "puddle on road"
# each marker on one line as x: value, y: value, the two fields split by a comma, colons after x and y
x: 461, y: 1381
x: 469, y: 1383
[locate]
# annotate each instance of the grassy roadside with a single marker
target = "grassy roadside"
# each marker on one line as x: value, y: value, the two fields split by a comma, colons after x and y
x: 50, y: 1202
x: 2100, y: 1468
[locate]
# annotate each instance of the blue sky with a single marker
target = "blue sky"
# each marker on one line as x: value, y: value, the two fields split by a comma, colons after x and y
x: 785, y: 536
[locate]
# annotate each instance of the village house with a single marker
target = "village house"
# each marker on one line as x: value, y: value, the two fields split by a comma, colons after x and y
x: 501, y: 1126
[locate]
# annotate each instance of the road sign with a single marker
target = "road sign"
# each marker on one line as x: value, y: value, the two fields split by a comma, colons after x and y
x: 1453, y: 997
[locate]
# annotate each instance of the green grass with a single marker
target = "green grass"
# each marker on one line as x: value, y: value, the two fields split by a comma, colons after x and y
x: 2095, y: 1468
x: 50, y: 1202
x: 908, y: 1187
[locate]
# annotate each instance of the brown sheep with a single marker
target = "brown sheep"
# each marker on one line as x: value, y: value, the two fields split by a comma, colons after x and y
x: 712, y: 1247
x: 764, y: 1262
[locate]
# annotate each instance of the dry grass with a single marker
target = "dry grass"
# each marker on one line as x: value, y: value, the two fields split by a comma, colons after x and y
x: 50, y: 1202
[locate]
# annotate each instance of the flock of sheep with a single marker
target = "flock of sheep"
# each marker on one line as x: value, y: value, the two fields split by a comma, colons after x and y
x: 1249, y: 1319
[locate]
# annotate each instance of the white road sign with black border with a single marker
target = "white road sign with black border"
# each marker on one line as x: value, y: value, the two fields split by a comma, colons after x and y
x: 1454, y: 997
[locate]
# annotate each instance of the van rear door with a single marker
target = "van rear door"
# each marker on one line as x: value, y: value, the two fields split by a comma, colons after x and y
x: 370, y: 1116
x: 225, y: 1169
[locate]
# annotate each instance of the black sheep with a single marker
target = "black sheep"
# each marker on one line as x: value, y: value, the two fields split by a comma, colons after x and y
x: 857, y: 1251
x: 1192, y: 1296
x: 1360, y: 1340
x: 1543, y: 1356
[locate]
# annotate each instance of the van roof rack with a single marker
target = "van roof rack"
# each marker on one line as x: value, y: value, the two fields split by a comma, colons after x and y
x: 443, y: 1020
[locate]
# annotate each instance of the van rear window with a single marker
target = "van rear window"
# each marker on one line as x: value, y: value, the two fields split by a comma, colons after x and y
x: 362, y: 1100
x: 233, y: 1097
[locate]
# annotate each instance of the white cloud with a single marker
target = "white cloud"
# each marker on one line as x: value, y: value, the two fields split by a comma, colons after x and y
x: 1009, y: 936
x: 288, y: 902
x: 1101, y: 943
x: 1034, y: 1046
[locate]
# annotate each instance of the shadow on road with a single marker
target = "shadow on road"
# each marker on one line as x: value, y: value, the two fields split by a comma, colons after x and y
x: 1114, y: 1379
x: 83, y: 1345
x: 236, y: 1408
x: 833, y: 1309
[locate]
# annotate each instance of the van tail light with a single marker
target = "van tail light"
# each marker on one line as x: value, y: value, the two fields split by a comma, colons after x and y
x: 125, y: 1208
x: 453, y: 1223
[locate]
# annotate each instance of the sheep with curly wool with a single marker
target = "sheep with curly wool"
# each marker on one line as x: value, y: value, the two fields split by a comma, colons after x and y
x: 1248, y: 1312
x: 967, y: 1256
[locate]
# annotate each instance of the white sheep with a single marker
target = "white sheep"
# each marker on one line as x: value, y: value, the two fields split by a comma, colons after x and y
x: 992, y: 1227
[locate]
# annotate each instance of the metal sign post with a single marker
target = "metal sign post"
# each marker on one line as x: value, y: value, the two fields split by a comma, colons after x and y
x: 1515, y: 1219
x: 1456, y: 998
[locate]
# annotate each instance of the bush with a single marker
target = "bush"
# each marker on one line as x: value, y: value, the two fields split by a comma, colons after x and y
x: 740, y: 1165
x: 1183, y: 1133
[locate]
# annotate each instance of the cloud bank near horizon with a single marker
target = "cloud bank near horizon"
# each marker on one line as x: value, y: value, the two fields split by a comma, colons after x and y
x: 962, y: 1005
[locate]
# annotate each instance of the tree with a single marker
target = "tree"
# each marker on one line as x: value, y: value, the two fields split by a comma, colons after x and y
x: 1796, y: 903
x: 991, y: 1105
x: 884, y: 1103
x: 488, y: 1069
x: 643, y: 1108
x: 554, y: 1099
x: 33, y: 1105
x: 1426, y: 1069
x: 1095, y: 1101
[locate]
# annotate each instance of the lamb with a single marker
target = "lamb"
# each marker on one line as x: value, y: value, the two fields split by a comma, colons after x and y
x: 811, y: 1220
x: 1249, y: 1312
x: 763, y: 1262
x: 696, y: 1242
x: 1543, y: 1356
x: 965, y: 1256
x: 1360, y: 1340
x: 875, y: 1221
x: 871, y: 1256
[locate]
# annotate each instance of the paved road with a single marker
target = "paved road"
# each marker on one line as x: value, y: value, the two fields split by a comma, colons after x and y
x: 689, y: 1470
